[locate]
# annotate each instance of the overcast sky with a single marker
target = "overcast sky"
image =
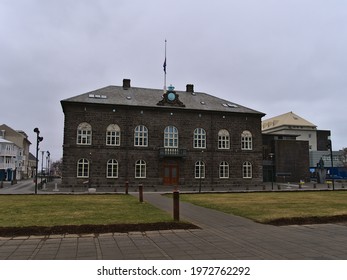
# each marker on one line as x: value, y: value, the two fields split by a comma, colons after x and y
x: 272, y: 56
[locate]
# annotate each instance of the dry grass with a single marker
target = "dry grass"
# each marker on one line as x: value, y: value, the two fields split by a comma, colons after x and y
x: 52, y: 210
x: 266, y: 207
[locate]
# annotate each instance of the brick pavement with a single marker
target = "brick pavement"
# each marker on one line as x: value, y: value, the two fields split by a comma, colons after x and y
x: 221, y: 236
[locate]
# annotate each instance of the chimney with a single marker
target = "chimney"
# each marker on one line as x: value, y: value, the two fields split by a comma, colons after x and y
x: 190, y: 88
x: 126, y: 83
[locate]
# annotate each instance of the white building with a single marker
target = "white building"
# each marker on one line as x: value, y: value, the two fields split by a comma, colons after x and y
x: 10, y: 160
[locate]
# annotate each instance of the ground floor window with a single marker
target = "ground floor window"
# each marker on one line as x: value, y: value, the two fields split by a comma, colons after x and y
x: 140, y: 169
x: 112, y: 169
x: 83, y: 168
x: 224, y: 170
x: 247, y: 170
x: 199, y: 170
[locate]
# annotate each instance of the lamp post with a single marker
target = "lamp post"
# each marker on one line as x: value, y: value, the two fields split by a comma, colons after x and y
x: 38, y: 140
x: 272, y: 170
x: 42, y: 152
x: 330, y: 146
x: 47, y: 164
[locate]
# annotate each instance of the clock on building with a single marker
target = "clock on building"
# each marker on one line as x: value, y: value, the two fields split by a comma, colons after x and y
x: 171, y: 96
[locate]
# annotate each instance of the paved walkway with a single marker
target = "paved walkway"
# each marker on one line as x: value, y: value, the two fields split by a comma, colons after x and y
x: 222, y: 236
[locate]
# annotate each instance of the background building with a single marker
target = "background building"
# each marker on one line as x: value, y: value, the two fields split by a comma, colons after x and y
x: 20, y: 153
x: 285, y: 158
x: 298, y: 157
x: 121, y: 134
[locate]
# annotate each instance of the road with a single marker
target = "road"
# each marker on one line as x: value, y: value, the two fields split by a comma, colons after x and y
x: 22, y: 187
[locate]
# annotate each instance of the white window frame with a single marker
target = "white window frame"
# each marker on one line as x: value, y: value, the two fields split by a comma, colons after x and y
x: 247, y: 170
x: 83, y: 168
x: 112, y: 169
x: 171, y: 137
x: 246, y: 140
x: 140, y: 169
x: 84, y: 134
x: 113, y: 135
x: 223, y: 139
x: 141, y: 136
x: 224, y: 170
x: 199, y: 138
x: 199, y: 170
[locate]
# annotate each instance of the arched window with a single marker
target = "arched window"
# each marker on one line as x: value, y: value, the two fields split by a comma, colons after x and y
x: 200, y: 138
x: 140, y: 169
x: 141, y: 136
x: 82, y: 168
x: 223, y: 170
x: 223, y: 139
x: 113, y: 135
x: 171, y: 137
x: 112, y: 169
x: 84, y: 134
x: 199, y: 170
x: 247, y: 170
x: 246, y: 140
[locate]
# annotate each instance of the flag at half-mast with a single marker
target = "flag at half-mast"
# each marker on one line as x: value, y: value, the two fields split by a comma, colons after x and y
x: 164, y: 65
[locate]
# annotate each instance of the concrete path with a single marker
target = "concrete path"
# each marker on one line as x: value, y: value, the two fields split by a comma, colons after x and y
x: 221, y: 236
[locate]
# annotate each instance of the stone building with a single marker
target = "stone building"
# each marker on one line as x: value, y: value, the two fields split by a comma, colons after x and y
x: 120, y: 134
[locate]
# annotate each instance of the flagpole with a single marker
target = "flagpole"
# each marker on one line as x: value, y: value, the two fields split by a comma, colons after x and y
x: 165, y: 68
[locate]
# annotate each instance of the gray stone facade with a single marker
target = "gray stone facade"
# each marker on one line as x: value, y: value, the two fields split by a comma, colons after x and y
x: 164, y: 166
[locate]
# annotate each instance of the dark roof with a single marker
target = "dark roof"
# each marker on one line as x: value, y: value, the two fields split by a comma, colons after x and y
x: 145, y: 97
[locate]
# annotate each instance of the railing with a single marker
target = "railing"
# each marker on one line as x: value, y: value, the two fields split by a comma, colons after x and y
x: 7, y: 166
x: 172, y: 152
x: 6, y: 153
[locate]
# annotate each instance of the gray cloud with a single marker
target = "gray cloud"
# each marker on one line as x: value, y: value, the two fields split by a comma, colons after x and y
x: 272, y: 56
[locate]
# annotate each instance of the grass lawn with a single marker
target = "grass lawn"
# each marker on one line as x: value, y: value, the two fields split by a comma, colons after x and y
x: 268, y: 207
x: 53, y: 210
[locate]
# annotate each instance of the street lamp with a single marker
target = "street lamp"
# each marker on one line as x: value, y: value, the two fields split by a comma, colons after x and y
x: 272, y: 170
x: 47, y: 164
x: 330, y: 147
x: 38, y: 140
x: 42, y: 166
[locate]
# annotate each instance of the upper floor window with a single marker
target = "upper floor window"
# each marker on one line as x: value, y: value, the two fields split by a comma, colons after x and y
x: 246, y: 140
x: 141, y: 136
x: 199, y: 170
x: 223, y: 139
x: 171, y: 137
x: 247, y: 170
x: 84, y: 134
x: 200, y: 138
x: 112, y: 169
x: 224, y: 170
x: 83, y: 168
x: 113, y: 135
x: 140, y: 169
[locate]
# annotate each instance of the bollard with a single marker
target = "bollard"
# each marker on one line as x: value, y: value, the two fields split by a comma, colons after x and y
x: 56, y: 188
x: 127, y: 187
x: 314, y: 185
x: 141, y: 193
x: 1, y: 184
x: 176, y: 205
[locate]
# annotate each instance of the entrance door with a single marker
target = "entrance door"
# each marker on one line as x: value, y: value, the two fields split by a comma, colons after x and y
x: 170, y: 174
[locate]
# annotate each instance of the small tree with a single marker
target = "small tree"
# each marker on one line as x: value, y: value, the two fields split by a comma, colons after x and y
x: 343, y: 157
x: 57, y: 167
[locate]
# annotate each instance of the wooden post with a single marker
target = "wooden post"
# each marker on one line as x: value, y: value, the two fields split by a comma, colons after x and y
x: 176, y: 205
x: 141, y: 193
x: 127, y: 187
